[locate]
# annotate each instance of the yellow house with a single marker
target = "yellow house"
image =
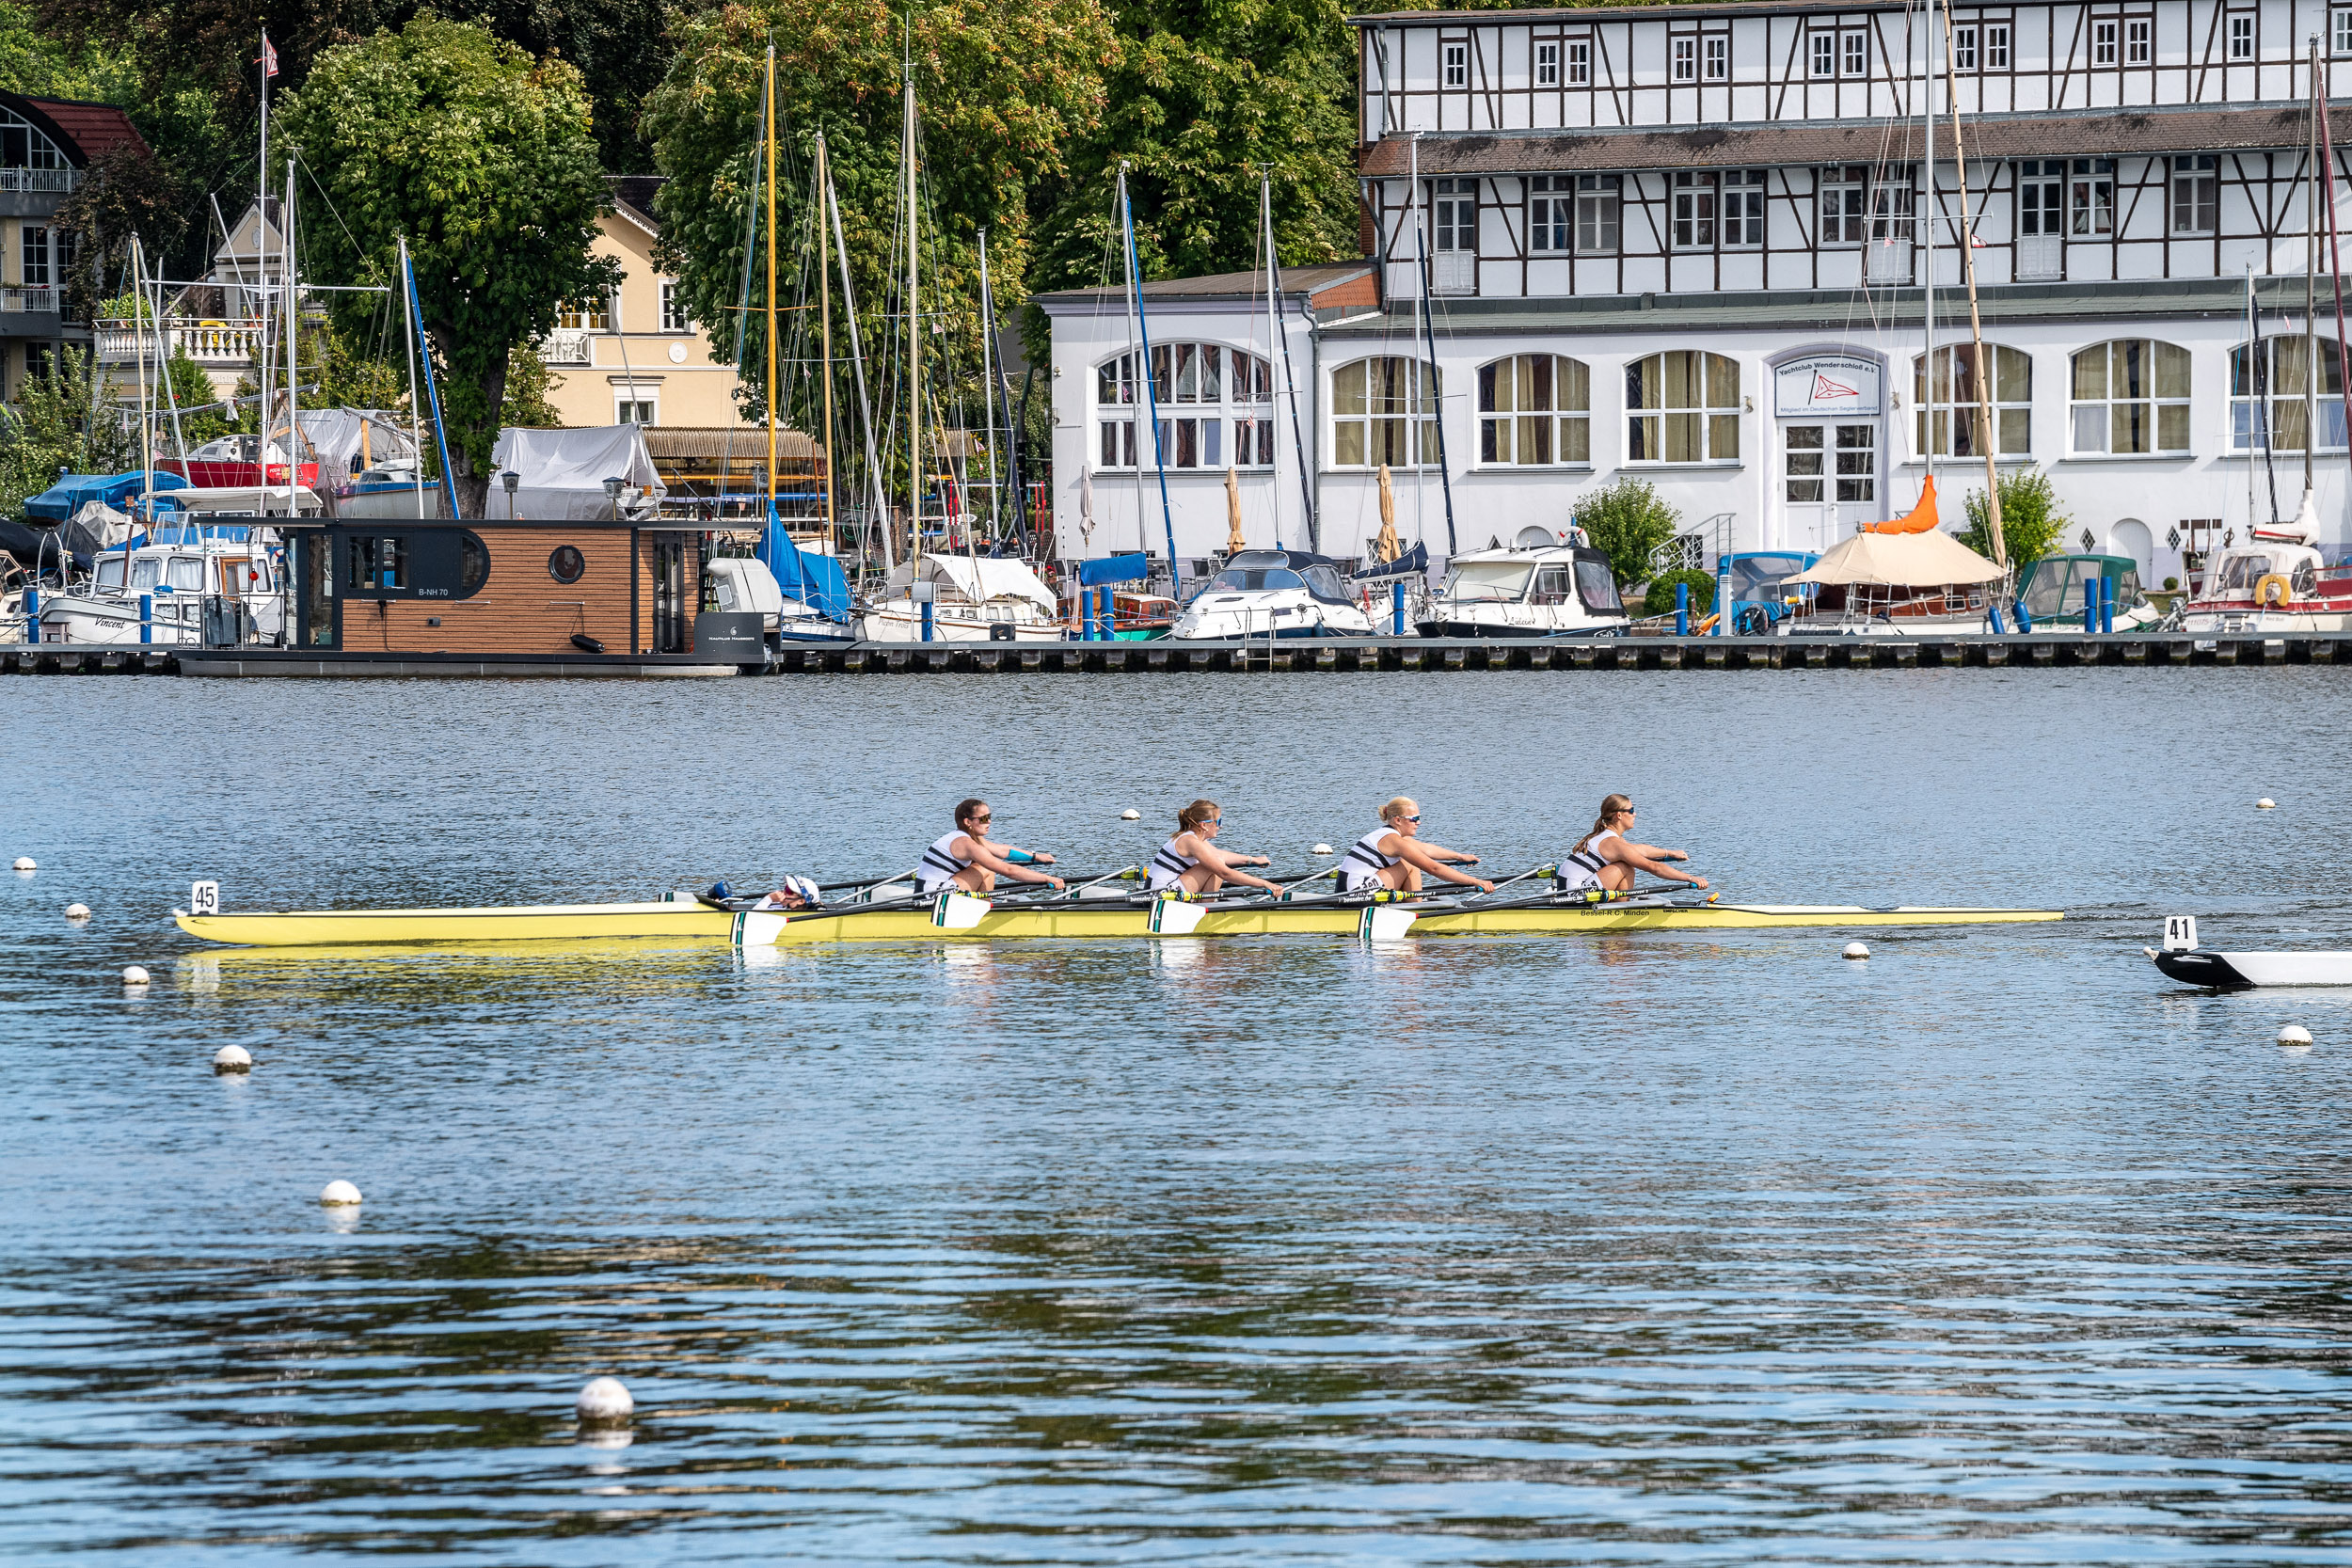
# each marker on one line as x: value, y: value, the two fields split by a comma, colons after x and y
x: 637, y: 360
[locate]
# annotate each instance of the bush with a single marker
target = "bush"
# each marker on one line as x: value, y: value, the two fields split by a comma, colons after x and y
x: 1627, y: 522
x: 1661, y: 599
x: 2031, y: 520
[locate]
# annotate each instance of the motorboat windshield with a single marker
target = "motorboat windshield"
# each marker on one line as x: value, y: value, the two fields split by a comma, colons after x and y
x: 2056, y: 587
x: 1501, y: 581
x: 2242, y: 571
x: 1595, y: 584
x: 1232, y: 581
x: 1262, y: 571
x: 1758, y: 576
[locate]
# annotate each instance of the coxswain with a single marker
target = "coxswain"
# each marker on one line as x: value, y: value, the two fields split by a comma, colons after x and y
x: 969, y: 860
x: 1606, y: 859
x: 1192, y: 862
x: 1394, y: 856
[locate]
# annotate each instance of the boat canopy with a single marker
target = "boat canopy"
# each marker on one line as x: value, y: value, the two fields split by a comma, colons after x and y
x: 1115, y: 568
x: 73, y: 492
x: 981, y: 581
x: 563, y: 474
x: 334, y: 435
x: 816, y: 580
x: 1898, y: 560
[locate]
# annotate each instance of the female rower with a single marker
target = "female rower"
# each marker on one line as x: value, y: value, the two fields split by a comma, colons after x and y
x: 1394, y: 856
x: 1191, y: 860
x: 969, y: 860
x: 1607, y: 860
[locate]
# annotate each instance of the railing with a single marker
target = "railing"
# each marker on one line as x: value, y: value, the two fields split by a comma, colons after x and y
x: 566, y: 345
x: 214, y: 342
x: 40, y: 298
x: 39, y: 179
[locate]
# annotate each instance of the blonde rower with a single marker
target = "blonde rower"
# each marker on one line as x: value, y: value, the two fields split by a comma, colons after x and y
x: 1192, y: 860
x: 1394, y: 856
x: 1607, y: 860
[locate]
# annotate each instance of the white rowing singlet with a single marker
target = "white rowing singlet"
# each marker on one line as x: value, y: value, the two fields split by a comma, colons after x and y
x: 1362, y: 864
x: 1167, y: 865
x: 1581, y: 869
x: 939, y: 867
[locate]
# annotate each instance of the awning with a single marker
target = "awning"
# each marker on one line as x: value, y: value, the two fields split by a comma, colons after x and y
x: 1901, y: 561
x: 561, y: 474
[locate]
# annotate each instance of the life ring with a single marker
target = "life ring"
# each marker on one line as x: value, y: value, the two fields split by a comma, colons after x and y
x: 2263, y: 589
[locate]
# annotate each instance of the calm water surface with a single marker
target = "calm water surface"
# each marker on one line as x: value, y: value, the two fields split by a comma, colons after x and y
x: 1664, y: 1249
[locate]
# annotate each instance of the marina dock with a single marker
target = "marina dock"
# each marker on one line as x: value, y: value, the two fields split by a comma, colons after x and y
x: 2063, y: 650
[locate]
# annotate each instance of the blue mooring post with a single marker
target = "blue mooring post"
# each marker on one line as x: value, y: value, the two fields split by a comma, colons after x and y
x: 927, y: 620
x: 1682, y: 609
x: 2106, y: 607
x: 32, y: 615
x: 1106, y: 623
x: 2091, y: 606
x: 1396, y: 608
x: 1992, y: 613
x: 147, y: 617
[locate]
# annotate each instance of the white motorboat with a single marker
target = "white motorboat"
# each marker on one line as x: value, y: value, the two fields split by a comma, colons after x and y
x: 158, y: 588
x: 1273, y: 594
x: 745, y: 583
x: 2181, y: 958
x: 2275, y: 582
x: 1540, y: 586
x: 983, y: 599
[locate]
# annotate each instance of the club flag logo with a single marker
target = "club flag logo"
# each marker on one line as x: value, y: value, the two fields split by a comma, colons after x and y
x: 1826, y: 390
x: 268, y: 62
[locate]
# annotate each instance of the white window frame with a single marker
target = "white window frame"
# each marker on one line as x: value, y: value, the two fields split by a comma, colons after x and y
x: 1717, y: 53
x: 35, y: 255
x: 1964, y: 48
x: 2103, y: 32
x: 1579, y: 62
x: 627, y: 400
x: 1508, y: 433
x: 1684, y: 58
x: 2012, y: 417
x: 673, y: 313
x: 2340, y: 30
x: 2193, y: 170
x: 1694, y: 195
x: 1996, y: 47
x: 1821, y: 54
x: 2091, y: 200
x: 2157, y: 406
x: 1413, y: 410
x: 1548, y: 63
x: 2245, y: 401
x: 1743, y: 210
x: 2244, y: 40
x: 1842, y: 201
x: 1455, y: 56
x: 1212, y: 432
x: 1854, y: 53
x: 1599, y: 209
x: 2139, y: 41
x: 1708, y: 421
x: 1551, y: 214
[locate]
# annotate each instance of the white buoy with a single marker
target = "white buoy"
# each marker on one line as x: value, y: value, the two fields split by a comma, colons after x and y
x: 605, y: 1402
x: 340, y: 1193
x: 2265, y: 803
x: 2293, y: 1033
x: 77, y: 912
x: 1857, y: 950
x: 1130, y: 815
x: 236, y: 1059
x: 134, y: 975
x: 1321, y: 850
x: 27, y: 863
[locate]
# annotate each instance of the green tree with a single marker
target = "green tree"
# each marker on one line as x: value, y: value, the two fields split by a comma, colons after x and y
x: 1626, y: 522
x: 1660, y: 600
x: 36, y: 62
x: 204, y: 413
x: 1002, y: 88
x: 126, y: 191
x: 1201, y: 96
x: 60, y: 423
x: 484, y: 158
x: 528, y: 385
x: 2032, y: 518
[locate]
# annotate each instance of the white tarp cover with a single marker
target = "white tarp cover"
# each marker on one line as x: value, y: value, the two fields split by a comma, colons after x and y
x: 334, y: 436
x: 279, y: 498
x: 564, y: 473
x: 94, y: 526
x: 1927, y: 560
x: 996, y: 579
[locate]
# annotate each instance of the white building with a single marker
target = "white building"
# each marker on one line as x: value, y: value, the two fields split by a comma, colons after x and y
x: 1684, y: 243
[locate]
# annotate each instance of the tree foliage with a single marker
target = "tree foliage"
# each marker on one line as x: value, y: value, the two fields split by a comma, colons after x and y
x: 483, y: 157
x: 1659, y: 600
x: 2032, y: 517
x: 60, y: 423
x: 1626, y: 522
x: 126, y: 191
x: 1002, y: 89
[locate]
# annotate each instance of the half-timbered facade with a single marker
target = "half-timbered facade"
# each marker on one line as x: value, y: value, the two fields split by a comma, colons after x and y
x: 1691, y: 243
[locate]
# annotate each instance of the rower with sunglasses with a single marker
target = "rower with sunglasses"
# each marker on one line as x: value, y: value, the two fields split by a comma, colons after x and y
x: 1192, y: 862
x: 1606, y: 861
x: 1394, y: 856
x: 968, y: 860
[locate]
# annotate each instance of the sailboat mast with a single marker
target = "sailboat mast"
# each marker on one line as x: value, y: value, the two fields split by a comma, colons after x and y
x: 915, y: 342
x: 2310, y: 280
x: 879, y: 502
x: 1290, y: 378
x: 1150, y: 393
x: 293, y: 372
x: 147, y: 443
x: 988, y: 392
x: 768, y: 114
x: 416, y: 399
x: 824, y: 321
x: 1925, y: 227
x: 1967, y: 242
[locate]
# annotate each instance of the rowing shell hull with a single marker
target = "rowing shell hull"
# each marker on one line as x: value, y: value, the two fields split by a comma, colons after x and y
x: 2245, y: 971
x: 591, y: 922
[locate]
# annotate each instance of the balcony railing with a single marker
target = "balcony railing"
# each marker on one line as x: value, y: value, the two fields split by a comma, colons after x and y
x: 210, y: 342
x: 39, y: 179
x: 40, y: 298
x: 566, y: 345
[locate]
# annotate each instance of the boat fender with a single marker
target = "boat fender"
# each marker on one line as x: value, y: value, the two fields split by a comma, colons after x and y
x: 2273, y: 588
x: 586, y: 643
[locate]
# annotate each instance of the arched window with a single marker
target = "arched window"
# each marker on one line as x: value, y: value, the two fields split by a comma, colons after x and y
x: 2267, y: 387
x: 1955, y: 401
x: 1216, y: 407
x: 1384, y: 410
x: 1535, y: 409
x: 29, y: 161
x: 1682, y: 406
x: 2130, y: 396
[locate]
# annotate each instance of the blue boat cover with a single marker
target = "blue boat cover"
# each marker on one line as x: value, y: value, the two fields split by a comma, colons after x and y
x: 816, y: 580
x: 62, y: 500
x: 1115, y: 568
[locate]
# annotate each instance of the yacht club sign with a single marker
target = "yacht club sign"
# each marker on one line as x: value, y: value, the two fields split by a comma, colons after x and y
x: 1825, y: 388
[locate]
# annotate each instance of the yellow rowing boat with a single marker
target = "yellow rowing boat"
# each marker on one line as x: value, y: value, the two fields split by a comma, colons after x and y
x: 959, y: 919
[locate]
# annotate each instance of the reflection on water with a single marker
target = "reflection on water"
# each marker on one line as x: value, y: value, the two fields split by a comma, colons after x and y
x: 1692, y: 1248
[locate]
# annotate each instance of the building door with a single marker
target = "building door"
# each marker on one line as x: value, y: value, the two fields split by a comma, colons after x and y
x: 1829, y: 481
x: 669, y: 593
x: 2040, y: 220
x: 1454, y: 224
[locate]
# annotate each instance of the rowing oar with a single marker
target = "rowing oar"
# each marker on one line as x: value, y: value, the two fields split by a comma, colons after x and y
x: 1649, y: 898
x: 1531, y: 871
x: 870, y: 881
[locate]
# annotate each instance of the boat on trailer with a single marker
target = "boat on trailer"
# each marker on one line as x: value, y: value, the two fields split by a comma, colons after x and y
x: 960, y: 917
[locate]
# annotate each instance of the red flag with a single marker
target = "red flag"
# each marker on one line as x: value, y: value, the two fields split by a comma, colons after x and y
x: 268, y: 62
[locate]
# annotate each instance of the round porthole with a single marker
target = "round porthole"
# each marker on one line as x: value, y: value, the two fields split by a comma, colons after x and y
x: 566, y: 564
